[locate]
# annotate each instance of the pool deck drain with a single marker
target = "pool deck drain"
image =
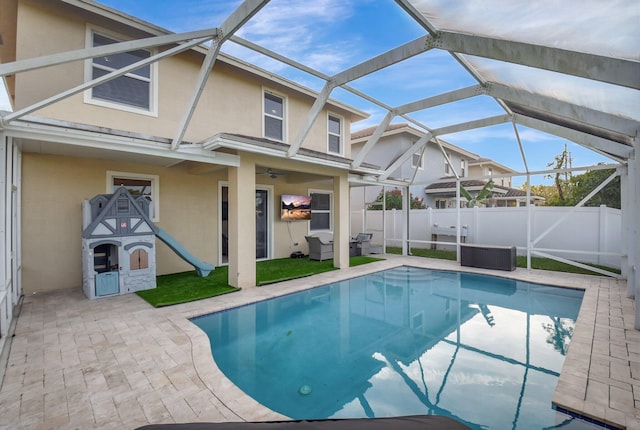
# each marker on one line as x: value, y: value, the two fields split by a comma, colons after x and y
x: 118, y: 363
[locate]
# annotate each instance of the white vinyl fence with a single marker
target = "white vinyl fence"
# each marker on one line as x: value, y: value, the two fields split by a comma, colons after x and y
x: 586, y: 234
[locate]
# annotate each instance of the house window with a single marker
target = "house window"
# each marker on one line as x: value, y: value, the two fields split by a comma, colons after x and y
x: 139, y: 259
x: 335, y: 134
x: 441, y: 204
x: 133, y: 91
x: 447, y: 168
x: 462, y: 169
x: 138, y: 185
x: 490, y: 171
x: 273, y: 116
x: 321, y: 215
x: 416, y: 160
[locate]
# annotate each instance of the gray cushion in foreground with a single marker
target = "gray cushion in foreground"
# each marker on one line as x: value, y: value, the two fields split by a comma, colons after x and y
x: 414, y: 422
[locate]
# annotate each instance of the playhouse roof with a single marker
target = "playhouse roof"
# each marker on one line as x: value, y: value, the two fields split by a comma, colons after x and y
x: 109, y: 217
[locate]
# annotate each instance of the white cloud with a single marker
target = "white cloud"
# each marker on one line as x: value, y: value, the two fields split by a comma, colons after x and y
x: 302, y: 31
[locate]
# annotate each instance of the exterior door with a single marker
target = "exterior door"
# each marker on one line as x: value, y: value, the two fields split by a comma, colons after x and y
x: 263, y: 220
x: 262, y: 224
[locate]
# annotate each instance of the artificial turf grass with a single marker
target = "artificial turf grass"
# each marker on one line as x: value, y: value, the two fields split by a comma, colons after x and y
x: 187, y: 286
x: 521, y: 261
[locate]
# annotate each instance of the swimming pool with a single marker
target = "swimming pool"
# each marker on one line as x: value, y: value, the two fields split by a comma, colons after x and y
x: 484, y: 350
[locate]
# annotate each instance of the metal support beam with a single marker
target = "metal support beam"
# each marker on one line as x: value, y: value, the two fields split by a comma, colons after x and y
x: 102, y: 79
x: 524, y: 157
x: 597, y: 67
x: 276, y: 56
x: 595, y: 191
x: 574, y: 112
x: 404, y: 157
x: 382, y: 127
x: 313, y: 72
x: 611, y: 149
x: 241, y: 15
x: 470, y: 125
x: 315, y: 110
x: 389, y: 58
x: 440, y: 99
x: 446, y: 157
x: 406, y: 205
x: 100, y: 51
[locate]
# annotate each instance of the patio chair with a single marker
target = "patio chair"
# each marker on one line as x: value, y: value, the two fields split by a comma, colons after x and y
x: 363, y: 241
x: 320, y: 247
x: 364, y: 244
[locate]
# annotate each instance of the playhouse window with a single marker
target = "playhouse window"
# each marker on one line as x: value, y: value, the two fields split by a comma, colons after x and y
x: 139, y: 259
x: 123, y: 206
x: 138, y: 185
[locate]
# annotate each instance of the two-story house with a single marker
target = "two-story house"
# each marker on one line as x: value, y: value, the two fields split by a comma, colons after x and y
x: 102, y: 99
x: 420, y: 170
x: 502, y: 193
x: 431, y: 171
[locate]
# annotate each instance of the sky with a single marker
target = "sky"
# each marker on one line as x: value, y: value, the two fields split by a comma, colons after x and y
x: 332, y: 35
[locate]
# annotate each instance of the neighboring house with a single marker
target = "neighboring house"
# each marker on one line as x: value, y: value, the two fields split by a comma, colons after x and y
x: 444, y: 193
x: 214, y: 176
x: 430, y: 174
x: 502, y: 194
x: 488, y: 167
x: 421, y: 169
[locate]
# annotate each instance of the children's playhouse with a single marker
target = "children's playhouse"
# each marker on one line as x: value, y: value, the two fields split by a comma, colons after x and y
x: 119, y: 245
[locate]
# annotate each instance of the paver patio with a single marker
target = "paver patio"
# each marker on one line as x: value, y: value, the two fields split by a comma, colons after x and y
x: 117, y: 362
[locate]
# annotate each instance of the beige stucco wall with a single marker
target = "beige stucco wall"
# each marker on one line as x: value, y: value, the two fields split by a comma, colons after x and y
x: 53, y: 188
x: 231, y: 101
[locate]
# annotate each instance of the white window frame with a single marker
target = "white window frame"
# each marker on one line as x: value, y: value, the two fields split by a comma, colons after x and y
x: 330, y: 211
x: 340, y: 135
x: 285, y: 114
x: 420, y: 164
x: 447, y: 167
x: 155, y: 188
x: 88, y: 76
x: 463, y: 170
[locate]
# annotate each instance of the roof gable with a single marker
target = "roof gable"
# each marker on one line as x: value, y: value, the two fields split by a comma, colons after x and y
x: 119, y: 214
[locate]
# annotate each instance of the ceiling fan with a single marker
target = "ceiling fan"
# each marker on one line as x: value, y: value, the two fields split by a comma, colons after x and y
x: 273, y: 174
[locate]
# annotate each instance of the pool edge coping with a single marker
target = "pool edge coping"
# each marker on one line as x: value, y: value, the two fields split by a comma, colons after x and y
x: 566, y: 394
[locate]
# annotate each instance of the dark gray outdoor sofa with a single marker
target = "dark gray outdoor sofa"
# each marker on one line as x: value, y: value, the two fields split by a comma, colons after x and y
x: 414, y: 422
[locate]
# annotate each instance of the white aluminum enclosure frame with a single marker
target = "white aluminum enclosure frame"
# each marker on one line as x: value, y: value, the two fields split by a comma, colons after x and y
x: 607, y: 133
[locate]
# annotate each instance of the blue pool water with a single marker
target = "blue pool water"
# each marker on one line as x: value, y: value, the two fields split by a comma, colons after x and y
x: 484, y: 350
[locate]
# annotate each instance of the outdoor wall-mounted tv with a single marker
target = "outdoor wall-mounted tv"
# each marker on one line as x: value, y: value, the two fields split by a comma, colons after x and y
x: 295, y: 208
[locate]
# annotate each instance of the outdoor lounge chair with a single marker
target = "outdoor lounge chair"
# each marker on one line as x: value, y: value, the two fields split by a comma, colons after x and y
x: 364, y: 244
x: 320, y: 247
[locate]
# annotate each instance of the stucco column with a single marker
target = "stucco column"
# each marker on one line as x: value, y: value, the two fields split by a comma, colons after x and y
x: 632, y: 234
x: 242, y: 224
x: 341, y: 221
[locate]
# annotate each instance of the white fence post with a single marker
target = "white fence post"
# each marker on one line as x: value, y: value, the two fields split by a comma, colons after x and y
x: 602, y: 230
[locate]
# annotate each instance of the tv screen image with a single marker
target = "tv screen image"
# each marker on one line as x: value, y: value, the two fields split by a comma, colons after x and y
x: 295, y: 208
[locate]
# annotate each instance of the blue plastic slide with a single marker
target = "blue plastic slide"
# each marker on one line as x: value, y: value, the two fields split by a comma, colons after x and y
x: 203, y: 269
